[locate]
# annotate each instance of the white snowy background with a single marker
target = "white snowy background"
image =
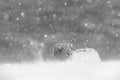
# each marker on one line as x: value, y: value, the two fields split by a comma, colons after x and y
x: 85, y: 64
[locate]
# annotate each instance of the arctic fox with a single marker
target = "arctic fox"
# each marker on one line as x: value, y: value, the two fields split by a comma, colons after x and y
x: 85, y: 64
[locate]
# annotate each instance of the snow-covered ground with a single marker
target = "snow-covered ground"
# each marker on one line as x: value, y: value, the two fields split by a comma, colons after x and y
x: 73, y: 69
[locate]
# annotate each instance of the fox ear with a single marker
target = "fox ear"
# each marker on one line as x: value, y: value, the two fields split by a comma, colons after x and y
x: 62, y: 52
